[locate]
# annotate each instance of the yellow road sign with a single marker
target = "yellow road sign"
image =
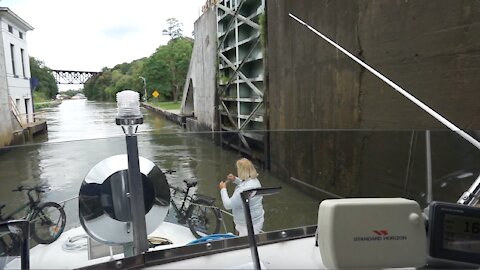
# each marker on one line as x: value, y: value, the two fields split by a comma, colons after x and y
x: 155, y: 93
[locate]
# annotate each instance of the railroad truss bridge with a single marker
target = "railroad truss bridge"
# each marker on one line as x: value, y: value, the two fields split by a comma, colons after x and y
x: 72, y: 77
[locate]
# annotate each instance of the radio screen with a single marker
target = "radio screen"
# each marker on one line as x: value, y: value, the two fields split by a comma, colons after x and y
x: 461, y: 233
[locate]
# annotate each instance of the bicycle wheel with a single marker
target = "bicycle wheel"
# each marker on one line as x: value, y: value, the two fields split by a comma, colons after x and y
x: 203, y: 218
x: 47, y: 223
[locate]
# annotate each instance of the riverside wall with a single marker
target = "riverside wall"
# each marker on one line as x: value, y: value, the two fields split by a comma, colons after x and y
x: 198, y: 101
x: 173, y: 116
x: 430, y: 48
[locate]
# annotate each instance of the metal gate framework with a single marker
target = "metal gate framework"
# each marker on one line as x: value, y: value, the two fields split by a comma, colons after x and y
x: 241, y: 81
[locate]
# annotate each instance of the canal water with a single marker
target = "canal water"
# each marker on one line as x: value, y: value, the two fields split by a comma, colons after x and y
x: 81, y: 133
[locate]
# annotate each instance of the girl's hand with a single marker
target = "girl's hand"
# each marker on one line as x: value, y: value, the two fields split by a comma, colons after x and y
x: 222, y: 184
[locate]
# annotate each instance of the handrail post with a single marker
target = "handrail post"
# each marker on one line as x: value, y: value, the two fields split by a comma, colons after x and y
x: 21, y: 228
x: 246, y: 196
x: 251, y: 235
x: 25, y: 257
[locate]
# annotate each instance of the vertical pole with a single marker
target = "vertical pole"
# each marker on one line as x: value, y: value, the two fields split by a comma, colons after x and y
x: 145, y: 90
x: 25, y: 256
x: 251, y: 235
x: 135, y: 192
x: 429, y: 167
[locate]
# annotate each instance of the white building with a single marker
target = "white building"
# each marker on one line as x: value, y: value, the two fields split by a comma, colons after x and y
x: 14, y: 34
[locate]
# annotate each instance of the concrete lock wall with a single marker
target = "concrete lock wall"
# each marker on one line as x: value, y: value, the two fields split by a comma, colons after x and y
x: 430, y: 48
x: 199, y: 92
x: 6, y: 129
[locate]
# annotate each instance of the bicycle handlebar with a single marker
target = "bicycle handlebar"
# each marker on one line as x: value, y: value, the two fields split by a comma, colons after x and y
x: 19, y: 188
x: 169, y: 171
x: 40, y: 189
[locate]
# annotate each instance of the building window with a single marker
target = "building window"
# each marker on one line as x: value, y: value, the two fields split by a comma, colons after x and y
x: 27, y: 101
x: 17, y: 102
x: 12, y: 54
x: 22, y: 54
x: 10, y: 29
x: 20, y: 35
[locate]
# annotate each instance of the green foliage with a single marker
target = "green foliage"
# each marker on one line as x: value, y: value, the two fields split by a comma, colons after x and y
x: 167, y: 68
x: 71, y: 93
x: 263, y: 30
x: 164, y: 71
x: 41, y: 101
x: 40, y: 97
x: 46, y: 82
x: 111, y: 81
x: 223, y: 79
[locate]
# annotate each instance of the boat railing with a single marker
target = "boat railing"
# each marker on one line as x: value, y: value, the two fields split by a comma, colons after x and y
x: 159, y: 257
x: 246, y: 197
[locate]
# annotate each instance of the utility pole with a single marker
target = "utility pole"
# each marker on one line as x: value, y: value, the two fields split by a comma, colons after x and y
x: 144, y: 88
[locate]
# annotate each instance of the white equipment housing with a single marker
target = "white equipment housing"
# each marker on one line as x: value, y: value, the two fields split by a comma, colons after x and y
x: 371, y: 232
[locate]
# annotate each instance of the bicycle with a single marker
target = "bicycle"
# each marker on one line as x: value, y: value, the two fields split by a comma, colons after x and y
x: 196, y: 210
x: 47, y: 220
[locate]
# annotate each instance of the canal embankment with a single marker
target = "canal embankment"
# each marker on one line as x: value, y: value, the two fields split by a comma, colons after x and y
x: 26, y: 133
x: 188, y: 122
x: 48, y: 104
x: 172, y: 115
x: 16, y: 129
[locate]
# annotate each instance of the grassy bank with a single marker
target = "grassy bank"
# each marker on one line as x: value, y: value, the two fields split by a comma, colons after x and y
x: 46, y: 104
x: 166, y: 105
x: 40, y: 101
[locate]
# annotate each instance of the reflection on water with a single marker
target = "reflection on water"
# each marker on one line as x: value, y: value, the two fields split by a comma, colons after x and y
x: 82, y: 133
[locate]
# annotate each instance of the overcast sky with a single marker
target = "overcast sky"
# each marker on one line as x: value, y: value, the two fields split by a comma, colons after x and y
x: 87, y: 35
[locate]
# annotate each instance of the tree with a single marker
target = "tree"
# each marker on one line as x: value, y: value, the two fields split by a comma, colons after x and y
x: 174, y: 28
x: 109, y: 82
x: 167, y: 68
x: 96, y: 87
x: 42, y: 74
x: 71, y: 92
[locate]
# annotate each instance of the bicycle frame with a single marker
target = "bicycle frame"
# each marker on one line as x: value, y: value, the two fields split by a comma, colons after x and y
x: 182, y: 210
x: 31, y: 205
